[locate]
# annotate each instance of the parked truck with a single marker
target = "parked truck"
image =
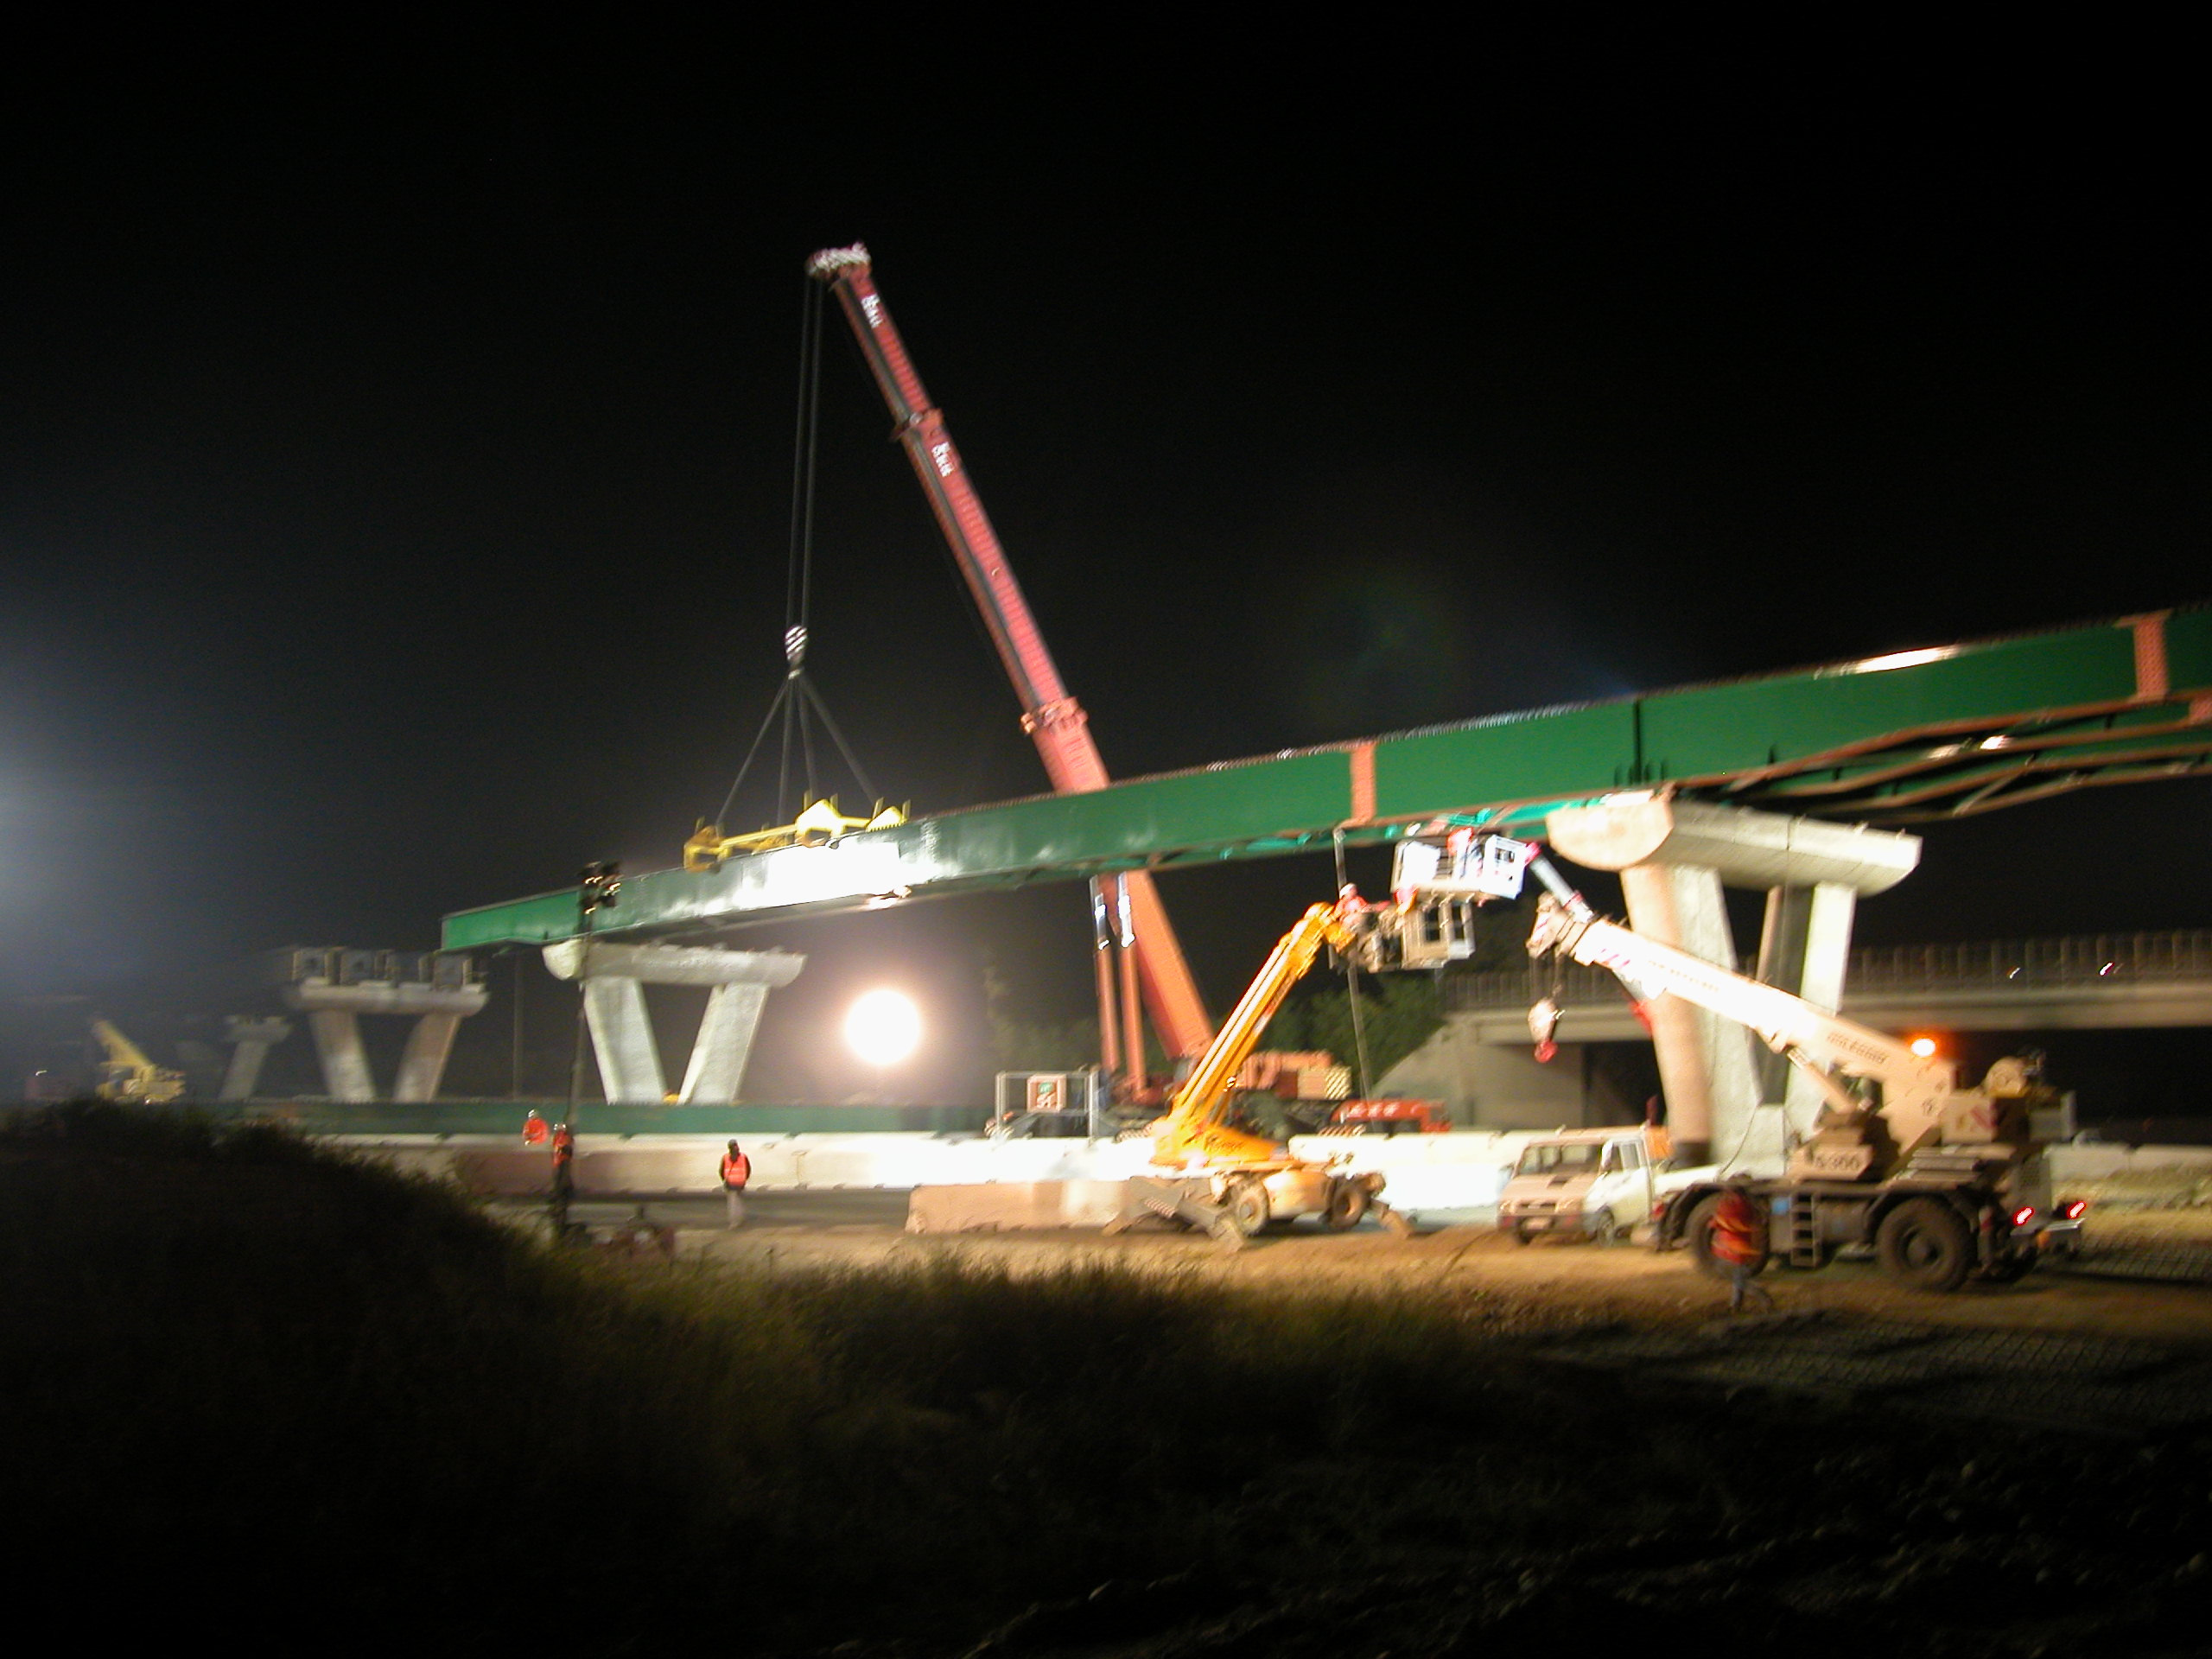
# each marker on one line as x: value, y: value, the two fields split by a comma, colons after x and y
x: 1944, y: 1183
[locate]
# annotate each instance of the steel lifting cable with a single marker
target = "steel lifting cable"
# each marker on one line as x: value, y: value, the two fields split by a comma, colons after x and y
x: 799, y: 581
x: 797, y: 693
x: 1352, y: 981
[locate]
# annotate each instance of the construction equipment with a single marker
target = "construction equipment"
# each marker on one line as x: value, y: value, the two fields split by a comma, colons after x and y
x: 127, y: 1074
x: 1389, y: 1115
x: 819, y: 822
x: 1051, y: 716
x: 1219, y: 1173
x: 1943, y: 1182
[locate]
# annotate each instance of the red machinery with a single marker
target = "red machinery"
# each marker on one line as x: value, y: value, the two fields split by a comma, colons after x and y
x: 1049, y: 715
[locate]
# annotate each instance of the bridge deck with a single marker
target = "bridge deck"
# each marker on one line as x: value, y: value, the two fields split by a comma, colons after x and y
x: 1908, y: 737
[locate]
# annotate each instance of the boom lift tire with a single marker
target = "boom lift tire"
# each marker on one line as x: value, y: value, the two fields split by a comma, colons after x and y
x: 1346, y: 1207
x: 1246, y: 1207
x: 1924, y: 1242
x: 1697, y: 1233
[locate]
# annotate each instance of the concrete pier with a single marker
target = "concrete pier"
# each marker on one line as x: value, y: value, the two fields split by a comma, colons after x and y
x: 1674, y: 859
x: 614, y: 976
x: 250, y: 1041
x: 334, y: 987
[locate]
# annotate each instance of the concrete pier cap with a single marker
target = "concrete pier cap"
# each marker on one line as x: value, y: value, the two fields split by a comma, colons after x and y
x: 672, y: 964
x: 613, y: 977
x: 1745, y: 848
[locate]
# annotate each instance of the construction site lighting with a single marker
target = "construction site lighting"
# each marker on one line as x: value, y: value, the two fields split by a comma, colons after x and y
x: 883, y: 1028
x: 1924, y: 1046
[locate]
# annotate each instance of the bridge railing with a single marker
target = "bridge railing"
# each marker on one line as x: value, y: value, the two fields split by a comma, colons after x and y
x: 2000, y: 965
x: 1570, y: 984
x: 2021, y: 964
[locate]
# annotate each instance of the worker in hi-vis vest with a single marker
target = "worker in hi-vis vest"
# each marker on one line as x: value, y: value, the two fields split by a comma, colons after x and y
x: 737, y: 1170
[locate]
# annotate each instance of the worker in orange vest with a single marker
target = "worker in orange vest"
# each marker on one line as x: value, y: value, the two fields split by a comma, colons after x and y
x: 1739, y: 1244
x: 564, y: 1178
x: 737, y: 1170
x: 534, y: 1130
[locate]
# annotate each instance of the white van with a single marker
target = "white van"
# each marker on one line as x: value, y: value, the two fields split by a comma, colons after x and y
x: 1595, y: 1184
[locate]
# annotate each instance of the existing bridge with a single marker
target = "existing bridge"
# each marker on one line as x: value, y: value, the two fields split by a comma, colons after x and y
x: 2095, y: 981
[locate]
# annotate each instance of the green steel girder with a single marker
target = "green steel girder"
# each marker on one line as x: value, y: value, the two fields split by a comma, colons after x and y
x: 1900, y: 738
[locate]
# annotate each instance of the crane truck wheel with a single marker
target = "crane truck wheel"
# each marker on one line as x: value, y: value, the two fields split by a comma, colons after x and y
x: 1697, y: 1233
x: 1924, y: 1243
x: 1246, y: 1207
x: 1347, y: 1205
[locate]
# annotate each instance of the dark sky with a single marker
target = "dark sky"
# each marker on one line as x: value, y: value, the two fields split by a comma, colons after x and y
x: 396, y: 438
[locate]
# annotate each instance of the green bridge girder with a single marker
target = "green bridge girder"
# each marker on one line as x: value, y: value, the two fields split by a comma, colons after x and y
x: 1910, y: 737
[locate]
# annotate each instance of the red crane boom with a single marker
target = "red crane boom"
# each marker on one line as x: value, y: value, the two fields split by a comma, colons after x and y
x: 1049, y: 715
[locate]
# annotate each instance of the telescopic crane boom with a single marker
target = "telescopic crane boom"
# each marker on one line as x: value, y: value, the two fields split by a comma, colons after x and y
x: 1210, y: 1171
x: 1921, y: 1104
x: 1197, y: 1124
x: 1052, y: 717
x: 127, y: 1074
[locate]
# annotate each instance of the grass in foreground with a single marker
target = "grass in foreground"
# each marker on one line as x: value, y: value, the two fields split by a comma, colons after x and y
x: 276, y: 1392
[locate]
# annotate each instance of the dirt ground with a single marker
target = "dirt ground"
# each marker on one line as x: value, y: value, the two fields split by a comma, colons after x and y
x: 1547, y: 1283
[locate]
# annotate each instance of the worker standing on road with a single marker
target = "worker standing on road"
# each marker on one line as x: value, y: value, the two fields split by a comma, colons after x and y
x: 1739, y: 1244
x: 564, y: 1178
x: 737, y: 1170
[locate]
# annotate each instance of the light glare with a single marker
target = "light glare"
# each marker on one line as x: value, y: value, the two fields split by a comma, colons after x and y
x: 883, y: 1028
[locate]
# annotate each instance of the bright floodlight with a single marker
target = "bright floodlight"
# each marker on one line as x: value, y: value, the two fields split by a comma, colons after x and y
x: 882, y: 1027
x: 1924, y: 1046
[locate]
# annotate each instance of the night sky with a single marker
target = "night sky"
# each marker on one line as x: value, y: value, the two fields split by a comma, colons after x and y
x: 396, y: 453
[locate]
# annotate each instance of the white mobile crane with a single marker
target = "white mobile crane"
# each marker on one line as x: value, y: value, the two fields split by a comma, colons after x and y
x: 1944, y: 1182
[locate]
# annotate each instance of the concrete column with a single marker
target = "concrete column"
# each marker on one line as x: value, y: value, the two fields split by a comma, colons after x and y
x: 1826, y: 958
x: 250, y: 1040
x: 1806, y: 949
x: 422, y: 1064
x: 622, y: 1040
x: 345, y: 1062
x: 1782, y: 964
x: 725, y: 1044
x: 1705, y: 1062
